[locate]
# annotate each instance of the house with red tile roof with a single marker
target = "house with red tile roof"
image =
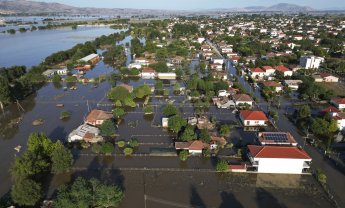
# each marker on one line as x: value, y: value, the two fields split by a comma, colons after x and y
x: 275, y: 85
x: 97, y: 117
x: 148, y: 72
x: 286, y: 71
x: 253, y: 118
x: 242, y: 99
x: 276, y: 138
x: 193, y: 147
x: 339, y: 103
x: 269, y: 71
x: 279, y: 159
x: 257, y: 73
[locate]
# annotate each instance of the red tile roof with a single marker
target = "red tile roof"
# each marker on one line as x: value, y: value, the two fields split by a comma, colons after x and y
x: 339, y: 100
x: 148, y: 69
x: 257, y: 70
x: 253, y: 115
x: 272, y: 84
x: 98, y: 115
x: 242, y: 98
x: 277, y: 152
x: 281, y: 68
x: 191, y: 145
x: 331, y: 109
x: 324, y: 75
x: 267, y: 68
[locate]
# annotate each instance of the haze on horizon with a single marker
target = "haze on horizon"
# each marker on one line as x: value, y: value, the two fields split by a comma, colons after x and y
x: 197, y: 4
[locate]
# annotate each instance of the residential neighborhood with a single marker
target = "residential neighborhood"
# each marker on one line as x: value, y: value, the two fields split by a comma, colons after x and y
x: 233, y: 109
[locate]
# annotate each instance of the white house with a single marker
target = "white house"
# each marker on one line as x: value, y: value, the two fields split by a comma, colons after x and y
x: 257, y: 73
x: 287, y: 72
x: 311, y: 62
x: 269, y: 71
x: 279, y: 159
x: 242, y: 99
x: 253, y: 118
x: 83, y: 132
x: 148, y: 73
x: 217, y: 60
x: 292, y: 84
x: 194, y: 147
x: 340, y: 118
x: 276, y: 138
x: 339, y: 103
x: 166, y: 75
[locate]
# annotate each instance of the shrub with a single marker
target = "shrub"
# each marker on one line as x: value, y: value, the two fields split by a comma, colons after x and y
x: 183, y: 155
x: 133, y: 143
x: 107, y: 148
x: 222, y: 166
x: 96, y: 148
x: 121, y: 144
x: 148, y: 109
x: 128, y: 151
x: 64, y: 114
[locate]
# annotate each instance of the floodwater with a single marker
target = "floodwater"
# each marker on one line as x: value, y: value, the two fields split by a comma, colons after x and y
x: 196, y: 186
x: 31, y: 48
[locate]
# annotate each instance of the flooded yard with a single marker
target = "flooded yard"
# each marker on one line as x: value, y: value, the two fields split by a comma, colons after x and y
x: 168, y: 189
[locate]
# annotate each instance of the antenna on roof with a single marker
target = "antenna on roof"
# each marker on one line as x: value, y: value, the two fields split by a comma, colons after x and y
x: 88, y: 107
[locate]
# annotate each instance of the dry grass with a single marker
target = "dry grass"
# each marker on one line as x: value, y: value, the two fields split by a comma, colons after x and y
x: 338, y: 88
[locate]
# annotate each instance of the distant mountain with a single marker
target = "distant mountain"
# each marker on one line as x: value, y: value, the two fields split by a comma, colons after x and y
x: 33, y: 7
x: 289, y: 8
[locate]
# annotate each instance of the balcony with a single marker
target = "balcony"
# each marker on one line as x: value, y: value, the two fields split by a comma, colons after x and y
x: 306, y: 164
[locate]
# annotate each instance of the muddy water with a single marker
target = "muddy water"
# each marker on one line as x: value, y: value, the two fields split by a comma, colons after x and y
x: 31, y: 48
x: 163, y: 189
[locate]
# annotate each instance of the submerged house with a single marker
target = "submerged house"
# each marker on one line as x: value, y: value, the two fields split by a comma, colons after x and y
x: 193, y: 147
x: 85, y: 133
x: 97, y: 117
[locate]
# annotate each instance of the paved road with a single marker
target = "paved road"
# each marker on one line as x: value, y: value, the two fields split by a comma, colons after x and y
x: 335, y: 178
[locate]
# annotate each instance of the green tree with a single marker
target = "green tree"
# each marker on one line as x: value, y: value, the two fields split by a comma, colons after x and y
x: 61, y: 158
x: 159, y: 86
x: 170, y: 110
x: 108, y: 128
x: 183, y: 155
x: 205, y: 136
x: 118, y: 112
x: 78, y: 195
x: 107, y: 196
x: 224, y: 130
x: 188, y: 134
x: 128, y: 151
x: 121, y: 144
x: 177, y: 87
x: 319, y: 126
x: 142, y: 91
x: 333, y: 126
x: 222, y: 166
x: 321, y: 177
x: 176, y: 122
x: 5, y: 92
x: 303, y: 112
x: 26, y: 192
x: 148, y: 109
x: 96, y: 148
x: 133, y: 143
x: 56, y: 78
x: 130, y: 102
x: 108, y: 148
x: 119, y: 93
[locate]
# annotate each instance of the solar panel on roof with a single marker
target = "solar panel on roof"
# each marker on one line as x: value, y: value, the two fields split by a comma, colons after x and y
x: 278, y: 138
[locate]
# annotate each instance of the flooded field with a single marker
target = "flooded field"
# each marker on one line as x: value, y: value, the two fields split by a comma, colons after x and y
x: 163, y: 189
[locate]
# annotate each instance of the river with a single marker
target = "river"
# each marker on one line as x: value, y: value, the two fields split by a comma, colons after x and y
x: 30, y: 48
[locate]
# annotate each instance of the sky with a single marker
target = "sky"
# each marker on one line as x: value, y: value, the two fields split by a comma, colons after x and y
x: 196, y: 4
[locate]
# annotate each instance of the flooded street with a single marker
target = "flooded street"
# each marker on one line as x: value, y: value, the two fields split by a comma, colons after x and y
x: 155, y: 182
